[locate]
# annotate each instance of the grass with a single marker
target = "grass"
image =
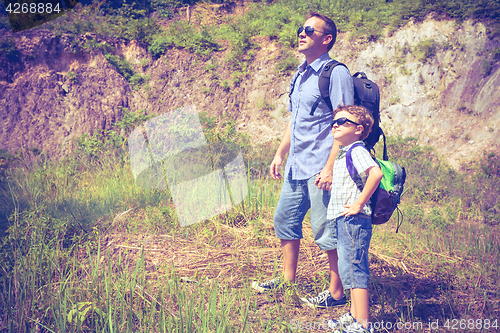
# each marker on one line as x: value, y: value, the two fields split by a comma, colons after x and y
x: 87, y: 250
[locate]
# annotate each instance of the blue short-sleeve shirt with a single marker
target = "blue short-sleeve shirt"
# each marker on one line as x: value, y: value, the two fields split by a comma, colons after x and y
x: 311, y: 135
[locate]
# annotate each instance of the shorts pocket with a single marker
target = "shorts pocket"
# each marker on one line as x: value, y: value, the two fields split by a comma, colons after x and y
x: 360, y: 233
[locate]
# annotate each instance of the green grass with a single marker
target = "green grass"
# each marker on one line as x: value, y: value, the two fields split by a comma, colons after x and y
x: 88, y: 250
x: 90, y: 292
x: 60, y: 275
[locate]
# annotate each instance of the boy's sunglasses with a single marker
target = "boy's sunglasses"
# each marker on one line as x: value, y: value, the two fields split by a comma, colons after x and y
x: 342, y: 121
x: 309, y: 31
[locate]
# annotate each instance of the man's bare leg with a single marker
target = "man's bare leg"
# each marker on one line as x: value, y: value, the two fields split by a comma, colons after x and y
x: 290, y: 250
x: 336, y: 287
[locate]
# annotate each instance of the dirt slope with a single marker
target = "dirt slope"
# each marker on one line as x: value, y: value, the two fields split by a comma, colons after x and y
x: 438, y: 82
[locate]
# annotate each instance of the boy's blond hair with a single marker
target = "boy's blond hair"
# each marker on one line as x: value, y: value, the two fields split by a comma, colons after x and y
x: 365, y: 118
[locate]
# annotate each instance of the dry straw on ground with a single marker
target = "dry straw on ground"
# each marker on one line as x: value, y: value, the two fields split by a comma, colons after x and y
x: 401, y: 287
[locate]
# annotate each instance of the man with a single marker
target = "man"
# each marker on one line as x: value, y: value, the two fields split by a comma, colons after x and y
x: 312, y: 151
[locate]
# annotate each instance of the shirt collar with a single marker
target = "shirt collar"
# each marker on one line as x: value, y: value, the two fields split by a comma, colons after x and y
x: 343, y: 149
x: 317, y: 64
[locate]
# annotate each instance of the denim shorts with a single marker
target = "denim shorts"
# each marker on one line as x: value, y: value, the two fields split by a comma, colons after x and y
x: 297, y: 196
x: 354, y: 235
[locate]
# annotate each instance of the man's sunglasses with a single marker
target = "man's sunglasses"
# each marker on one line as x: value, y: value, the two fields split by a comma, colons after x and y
x: 342, y: 121
x: 309, y: 31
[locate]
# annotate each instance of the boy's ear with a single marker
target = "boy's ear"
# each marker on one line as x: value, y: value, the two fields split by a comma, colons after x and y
x: 359, y: 130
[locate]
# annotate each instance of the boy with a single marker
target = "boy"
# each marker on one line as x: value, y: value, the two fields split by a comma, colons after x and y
x: 350, y: 214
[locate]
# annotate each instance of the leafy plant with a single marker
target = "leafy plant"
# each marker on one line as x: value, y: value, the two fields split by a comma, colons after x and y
x: 123, y: 67
x: 425, y: 50
x: 286, y: 63
x: 72, y: 76
x: 486, y: 67
x: 130, y: 120
x: 8, y: 47
x: 264, y: 104
x: 395, y: 100
x: 199, y: 42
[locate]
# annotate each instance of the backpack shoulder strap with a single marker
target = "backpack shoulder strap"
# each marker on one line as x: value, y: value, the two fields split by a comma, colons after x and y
x: 385, y: 156
x: 324, y: 83
x: 292, y: 85
x: 352, y: 169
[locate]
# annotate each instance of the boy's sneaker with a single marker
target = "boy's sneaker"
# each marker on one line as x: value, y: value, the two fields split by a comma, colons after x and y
x: 341, y: 323
x: 354, y: 327
x: 324, y: 300
x: 267, y: 285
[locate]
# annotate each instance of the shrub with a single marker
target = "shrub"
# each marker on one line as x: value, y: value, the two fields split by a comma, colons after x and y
x: 121, y: 64
x: 8, y: 47
x: 425, y: 50
x: 203, y: 43
x: 4, y: 20
x: 286, y: 63
x: 125, y: 69
x: 81, y: 26
x: 182, y: 35
x: 141, y: 30
x: 160, y: 45
x: 486, y: 67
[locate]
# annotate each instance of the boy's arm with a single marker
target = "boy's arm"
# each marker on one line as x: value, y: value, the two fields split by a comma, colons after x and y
x: 374, y: 177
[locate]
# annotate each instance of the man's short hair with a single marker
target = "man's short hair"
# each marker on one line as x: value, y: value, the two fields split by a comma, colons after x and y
x: 364, y: 116
x: 330, y: 27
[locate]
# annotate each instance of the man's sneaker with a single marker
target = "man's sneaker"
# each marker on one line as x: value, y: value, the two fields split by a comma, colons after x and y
x: 267, y: 285
x: 324, y: 300
x: 345, y: 320
x: 354, y: 327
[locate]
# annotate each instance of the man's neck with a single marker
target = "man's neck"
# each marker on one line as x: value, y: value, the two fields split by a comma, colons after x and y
x: 310, y: 58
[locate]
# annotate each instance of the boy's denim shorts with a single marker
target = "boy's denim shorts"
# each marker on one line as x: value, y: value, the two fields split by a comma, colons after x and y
x: 297, y: 196
x: 354, y: 235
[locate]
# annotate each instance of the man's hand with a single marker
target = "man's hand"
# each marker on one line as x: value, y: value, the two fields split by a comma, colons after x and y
x: 274, y: 169
x: 324, y: 180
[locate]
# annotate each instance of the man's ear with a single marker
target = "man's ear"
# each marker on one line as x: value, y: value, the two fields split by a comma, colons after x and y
x: 328, y: 39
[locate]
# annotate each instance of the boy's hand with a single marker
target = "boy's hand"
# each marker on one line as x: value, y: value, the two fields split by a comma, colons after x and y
x: 353, y: 209
x: 324, y: 180
x: 374, y: 177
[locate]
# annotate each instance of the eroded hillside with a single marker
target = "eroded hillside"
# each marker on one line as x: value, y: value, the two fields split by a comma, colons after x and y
x: 439, y: 80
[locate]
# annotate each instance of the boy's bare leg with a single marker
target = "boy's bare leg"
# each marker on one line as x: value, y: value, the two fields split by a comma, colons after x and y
x: 360, y: 305
x: 290, y: 250
x: 336, y: 287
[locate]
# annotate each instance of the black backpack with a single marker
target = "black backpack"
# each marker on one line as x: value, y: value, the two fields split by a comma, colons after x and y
x: 366, y: 93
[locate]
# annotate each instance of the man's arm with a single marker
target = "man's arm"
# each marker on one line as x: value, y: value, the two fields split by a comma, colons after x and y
x: 341, y: 93
x: 324, y: 179
x: 374, y: 177
x: 283, y: 148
